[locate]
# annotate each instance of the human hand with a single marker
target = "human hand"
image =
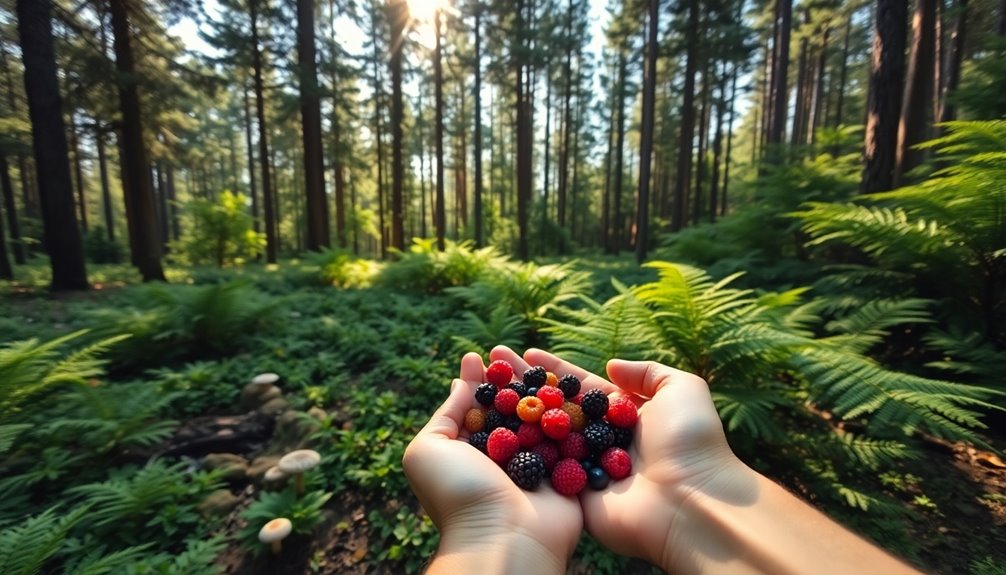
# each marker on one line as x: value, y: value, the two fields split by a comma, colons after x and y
x: 679, y: 450
x: 486, y: 522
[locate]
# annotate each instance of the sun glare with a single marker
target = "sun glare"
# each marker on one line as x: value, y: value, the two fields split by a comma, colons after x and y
x: 422, y: 11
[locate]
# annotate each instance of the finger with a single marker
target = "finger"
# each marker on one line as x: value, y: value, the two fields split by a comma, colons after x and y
x: 561, y: 367
x: 449, y: 417
x: 472, y: 368
x: 510, y: 356
x: 646, y: 378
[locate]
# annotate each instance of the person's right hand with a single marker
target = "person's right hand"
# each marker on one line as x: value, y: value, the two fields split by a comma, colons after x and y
x: 679, y: 450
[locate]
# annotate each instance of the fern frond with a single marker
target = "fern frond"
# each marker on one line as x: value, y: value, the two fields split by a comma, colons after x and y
x: 869, y: 324
x: 750, y: 411
x: 25, y: 549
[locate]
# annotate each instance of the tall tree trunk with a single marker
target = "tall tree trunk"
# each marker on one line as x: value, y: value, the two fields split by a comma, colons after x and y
x: 338, y: 166
x: 397, y: 16
x: 268, y: 201
x: 646, y: 138
x: 817, y: 106
x: 78, y: 173
x: 548, y: 129
x: 730, y: 141
x: 919, y: 92
x: 62, y: 237
x: 169, y: 188
x: 683, y: 174
x: 6, y: 271
x: 777, y: 130
x: 884, y: 101
x: 608, y: 168
x: 27, y: 195
x: 106, y: 192
x: 700, y: 169
x: 843, y: 73
x: 253, y: 192
x: 162, y: 204
x: 440, y: 219
x: 563, y: 192
x: 953, y: 75
x: 525, y: 133
x: 318, y: 233
x: 461, y: 169
x: 799, y: 110
x: 714, y: 184
x: 478, y: 128
x: 573, y: 187
x: 616, y: 199
x: 17, y: 245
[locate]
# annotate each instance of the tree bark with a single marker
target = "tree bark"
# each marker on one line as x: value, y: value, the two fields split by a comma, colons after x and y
x: 524, y: 130
x: 6, y: 271
x: 646, y: 138
x: 884, y: 100
x: 268, y: 201
x: 563, y: 192
x: 843, y: 74
x: 957, y: 39
x: 318, y: 233
x: 777, y: 130
x: 17, y: 245
x: 700, y: 168
x: 548, y: 157
x: 440, y: 219
x: 799, y: 110
x: 714, y: 184
x: 478, y: 128
x: 78, y: 173
x: 919, y: 92
x: 616, y: 199
x: 62, y: 237
x: 683, y: 174
x: 730, y: 141
x: 397, y: 16
x: 106, y: 192
x: 817, y: 105
x: 253, y: 192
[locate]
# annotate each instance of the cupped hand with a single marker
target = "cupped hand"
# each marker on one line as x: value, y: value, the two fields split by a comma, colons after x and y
x: 679, y: 449
x: 472, y: 500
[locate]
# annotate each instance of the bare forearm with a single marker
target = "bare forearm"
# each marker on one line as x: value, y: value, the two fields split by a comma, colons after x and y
x: 755, y: 526
x: 512, y: 553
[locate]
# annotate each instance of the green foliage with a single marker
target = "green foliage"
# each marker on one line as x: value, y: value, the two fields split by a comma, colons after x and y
x: 219, y: 232
x: 983, y: 83
x: 169, y: 322
x: 29, y: 368
x: 201, y: 387
x: 99, y: 249
x: 304, y: 513
x: 340, y: 268
x: 25, y: 549
x: 948, y: 232
x: 968, y: 355
x: 424, y: 269
x: 409, y: 539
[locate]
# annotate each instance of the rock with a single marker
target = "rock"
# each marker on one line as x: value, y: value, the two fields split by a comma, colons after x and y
x: 218, y: 503
x: 255, y: 395
x: 259, y: 466
x: 274, y: 407
x: 317, y: 413
x: 234, y: 467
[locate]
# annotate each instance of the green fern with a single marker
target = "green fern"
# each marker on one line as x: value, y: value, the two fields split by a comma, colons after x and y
x: 25, y: 549
x: 476, y: 332
x: 303, y: 512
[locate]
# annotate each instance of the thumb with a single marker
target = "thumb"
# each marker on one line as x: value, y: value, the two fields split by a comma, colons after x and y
x: 449, y: 417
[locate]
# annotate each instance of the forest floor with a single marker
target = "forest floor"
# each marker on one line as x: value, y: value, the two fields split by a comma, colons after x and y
x: 954, y: 497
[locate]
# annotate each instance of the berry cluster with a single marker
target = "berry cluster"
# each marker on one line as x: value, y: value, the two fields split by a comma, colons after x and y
x: 542, y: 426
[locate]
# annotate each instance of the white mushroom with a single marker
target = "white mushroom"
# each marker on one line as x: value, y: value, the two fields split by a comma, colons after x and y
x: 296, y: 463
x: 264, y: 380
x: 274, y: 533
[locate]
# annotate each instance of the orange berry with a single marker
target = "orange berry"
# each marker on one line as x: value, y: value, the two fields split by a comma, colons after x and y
x: 577, y: 420
x: 475, y: 420
x: 551, y: 379
x: 530, y: 408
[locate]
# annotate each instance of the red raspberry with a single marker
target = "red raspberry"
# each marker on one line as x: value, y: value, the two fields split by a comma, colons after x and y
x: 475, y: 420
x: 549, y: 452
x: 617, y: 463
x: 568, y: 477
x: 530, y: 408
x: 622, y: 412
x: 574, y: 447
x: 555, y: 423
x: 529, y: 435
x: 552, y: 397
x: 502, y: 445
x: 499, y: 373
x: 506, y: 401
x: 577, y: 398
x: 577, y: 420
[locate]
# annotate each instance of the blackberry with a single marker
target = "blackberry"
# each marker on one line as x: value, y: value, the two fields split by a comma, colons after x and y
x: 598, y: 435
x: 594, y: 404
x: 512, y: 422
x: 526, y: 469
x: 519, y: 387
x: 478, y: 440
x: 623, y: 437
x: 570, y: 385
x: 535, y: 377
x: 485, y: 394
x: 494, y: 419
x: 532, y: 391
x: 597, y: 478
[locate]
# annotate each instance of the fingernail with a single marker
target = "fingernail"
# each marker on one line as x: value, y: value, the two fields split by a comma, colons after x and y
x: 454, y: 385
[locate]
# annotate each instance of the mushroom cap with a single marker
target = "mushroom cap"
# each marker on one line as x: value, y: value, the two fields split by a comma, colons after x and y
x: 299, y: 461
x: 275, y: 530
x: 274, y: 473
x: 265, y: 379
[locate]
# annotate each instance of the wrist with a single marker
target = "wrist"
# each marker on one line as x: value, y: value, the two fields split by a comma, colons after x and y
x: 478, y: 546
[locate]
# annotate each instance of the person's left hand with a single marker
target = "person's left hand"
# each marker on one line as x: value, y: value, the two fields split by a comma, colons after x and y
x: 480, y: 512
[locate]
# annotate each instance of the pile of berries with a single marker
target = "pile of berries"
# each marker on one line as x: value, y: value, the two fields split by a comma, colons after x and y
x: 543, y: 426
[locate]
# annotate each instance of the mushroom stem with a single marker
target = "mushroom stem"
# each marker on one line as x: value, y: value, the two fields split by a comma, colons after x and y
x: 277, y: 546
x: 299, y: 484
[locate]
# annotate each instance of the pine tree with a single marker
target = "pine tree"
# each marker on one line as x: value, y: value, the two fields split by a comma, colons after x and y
x: 318, y: 234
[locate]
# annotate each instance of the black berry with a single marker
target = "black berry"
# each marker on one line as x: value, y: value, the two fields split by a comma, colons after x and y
x: 535, y: 377
x: 533, y: 391
x: 597, y: 478
x: 485, y: 394
x: 478, y: 440
x: 594, y: 404
x: 494, y: 419
x: 570, y: 385
x: 526, y: 469
x: 512, y: 422
x: 519, y: 387
x: 598, y: 435
x: 623, y: 437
